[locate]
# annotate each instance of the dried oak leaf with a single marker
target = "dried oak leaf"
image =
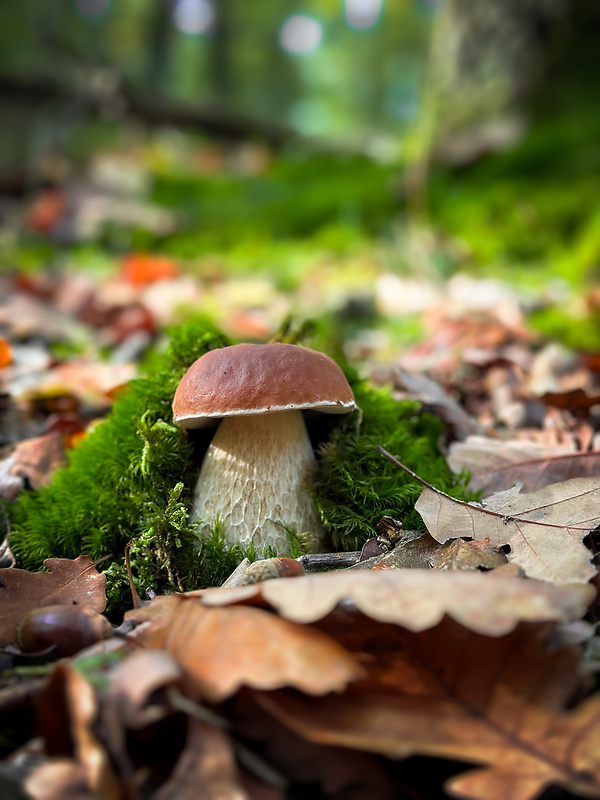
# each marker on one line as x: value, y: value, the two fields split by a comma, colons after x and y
x: 545, y: 529
x: 496, y: 465
x: 68, y: 709
x: 68, y: 582
x: 222, y: 649
x: 459, y: 554
x: 447, y: 692
x: 416, y: 599
x: 32, y: 462
x: 206, y: 769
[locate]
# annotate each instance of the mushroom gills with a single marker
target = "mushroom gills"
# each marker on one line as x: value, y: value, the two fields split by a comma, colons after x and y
x: 253, y: 477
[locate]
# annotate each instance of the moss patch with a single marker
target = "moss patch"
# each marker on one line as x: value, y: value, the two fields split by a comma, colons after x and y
x: 129, y: 480
x: 356, y: 485
x: 123, y: 482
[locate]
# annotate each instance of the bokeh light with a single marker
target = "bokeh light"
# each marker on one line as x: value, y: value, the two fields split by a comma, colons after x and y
x: 362, y: 14
x: 194, y: 17
x: 300, y: 34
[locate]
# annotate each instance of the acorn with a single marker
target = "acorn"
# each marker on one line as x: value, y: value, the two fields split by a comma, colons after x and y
x: 65, y: 629
x: 268, y: 568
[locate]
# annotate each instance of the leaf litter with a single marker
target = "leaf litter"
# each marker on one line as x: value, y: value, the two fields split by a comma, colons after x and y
x: 320, y: 679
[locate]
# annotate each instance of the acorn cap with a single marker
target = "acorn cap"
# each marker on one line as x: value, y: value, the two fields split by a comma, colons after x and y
x: 247, y: 379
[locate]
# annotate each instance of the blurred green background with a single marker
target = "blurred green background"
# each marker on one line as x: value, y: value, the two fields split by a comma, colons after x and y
x: 294, y: 139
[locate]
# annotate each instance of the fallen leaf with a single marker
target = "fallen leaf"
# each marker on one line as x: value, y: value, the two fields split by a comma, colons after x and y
x: 68, y: 582
x: 222, y: 649
x: 58, y: 779
x: 31, y: 464
x: 544, y: 529
x: 206, y: 769
x: 338, y: 772
x: 496, y: 465
x: 67, y: 710
x: 572, y: 400
x: 432, y: 394
x: 459, y: 554
x: 5, y: 353
x: 416, y: 599
x: 145, y: 268
x: 450, y: 693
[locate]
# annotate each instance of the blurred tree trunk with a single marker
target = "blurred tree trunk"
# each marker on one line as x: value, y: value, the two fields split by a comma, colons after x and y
x: 158, y: 45
x: 484, y: 59
x: 221, y: 52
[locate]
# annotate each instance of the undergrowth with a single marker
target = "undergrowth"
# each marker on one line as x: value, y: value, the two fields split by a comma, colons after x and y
x: 129, y: 479
x: 123, y: 482
x: 356, y: 485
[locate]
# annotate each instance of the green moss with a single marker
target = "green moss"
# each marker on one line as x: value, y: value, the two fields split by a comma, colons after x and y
x: 356, y: 486
x: 123, y: 482
x: 127, y: 482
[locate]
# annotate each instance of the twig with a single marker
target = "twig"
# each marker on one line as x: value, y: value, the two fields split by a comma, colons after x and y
x: 315, y: 561
x: 479, y: 508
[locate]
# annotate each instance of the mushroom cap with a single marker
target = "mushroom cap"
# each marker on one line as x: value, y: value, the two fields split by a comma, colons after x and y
x: 249, y: 379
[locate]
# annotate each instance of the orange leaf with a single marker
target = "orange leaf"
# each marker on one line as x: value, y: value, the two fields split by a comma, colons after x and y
x: 5, y: 353
x: 145, y: 268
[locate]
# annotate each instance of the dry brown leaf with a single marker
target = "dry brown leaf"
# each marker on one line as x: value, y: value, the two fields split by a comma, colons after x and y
x: 545, y: 529
x: 67, y: 710
x: 416, y: 599
x: 429, y: 392
x: 496, y: 465
x: 58, y: 779
x: 222, y: 649
x: 459, y: 554
x: 68, y: 582
x: 32, y: 462
x: 450, y: 693
x: 206, y: 769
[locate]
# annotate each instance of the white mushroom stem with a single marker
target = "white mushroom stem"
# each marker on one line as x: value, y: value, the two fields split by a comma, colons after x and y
x: 253, y: 477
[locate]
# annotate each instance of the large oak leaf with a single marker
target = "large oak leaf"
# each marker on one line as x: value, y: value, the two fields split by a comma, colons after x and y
x: 447, y: 692
x: 544, y: 529
x: 416, y: 599
x: 222, y: 649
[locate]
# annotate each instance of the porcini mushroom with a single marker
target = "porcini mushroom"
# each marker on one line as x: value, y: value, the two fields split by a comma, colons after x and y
x: 253, y: 475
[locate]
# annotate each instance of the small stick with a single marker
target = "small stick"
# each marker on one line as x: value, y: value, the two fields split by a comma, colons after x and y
x: 314, y: 561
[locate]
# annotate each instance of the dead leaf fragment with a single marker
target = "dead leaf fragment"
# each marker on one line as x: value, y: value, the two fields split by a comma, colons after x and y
x: 496, y: 465
x: 222, y: 649
x: 459, y: 554
x: 454, y: 694
x: 545, y: 529
x: 416, y: 599
x: 206, y: 769
x: 68, y: 709
x: 68, y: 582
x: 429, y: 392
x: 32, y: 462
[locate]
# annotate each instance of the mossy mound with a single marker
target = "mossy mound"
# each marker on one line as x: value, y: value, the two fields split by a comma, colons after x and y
x: 356, y: 485
x: 124, y: 482
x: 128, y: 479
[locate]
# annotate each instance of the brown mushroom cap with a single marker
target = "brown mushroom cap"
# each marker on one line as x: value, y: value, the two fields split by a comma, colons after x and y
x: 259, y: 378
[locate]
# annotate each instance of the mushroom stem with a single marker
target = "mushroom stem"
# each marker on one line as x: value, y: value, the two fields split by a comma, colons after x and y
x: 253, y: 477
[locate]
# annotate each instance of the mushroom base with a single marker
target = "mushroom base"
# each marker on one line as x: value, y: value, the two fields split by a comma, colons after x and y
x: 252, y: 481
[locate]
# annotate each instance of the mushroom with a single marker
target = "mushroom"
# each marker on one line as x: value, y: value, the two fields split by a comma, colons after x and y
x: 252, y: 479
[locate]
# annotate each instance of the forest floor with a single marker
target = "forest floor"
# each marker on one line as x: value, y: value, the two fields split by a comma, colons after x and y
x: 470, y: 642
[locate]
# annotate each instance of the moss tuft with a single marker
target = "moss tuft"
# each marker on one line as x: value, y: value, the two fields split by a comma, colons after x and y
x: 123, y: 481
x: 356, y: 485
